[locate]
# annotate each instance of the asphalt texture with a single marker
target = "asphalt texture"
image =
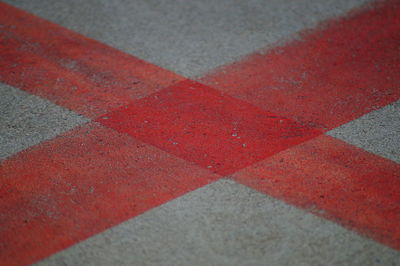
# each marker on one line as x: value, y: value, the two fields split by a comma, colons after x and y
x: 26, y: 120
x: 189, y: 37
x: 224, y: 222
x: 377, y: 132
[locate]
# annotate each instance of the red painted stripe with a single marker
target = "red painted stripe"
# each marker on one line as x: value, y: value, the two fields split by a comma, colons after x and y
x: 81, y: 183
x: 334, y: 74
x: 91, y: 178
x: 335, y: 180
x: 201, y: 125
x: 69, y: 69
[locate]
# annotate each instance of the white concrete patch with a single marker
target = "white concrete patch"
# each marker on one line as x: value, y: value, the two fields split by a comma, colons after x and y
x: 226, y: 223
x: 190, y: 37
x: 377, y: 132
x: 26, y: 120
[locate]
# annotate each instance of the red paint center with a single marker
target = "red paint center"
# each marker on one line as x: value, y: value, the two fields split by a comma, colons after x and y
x: 199, y: 124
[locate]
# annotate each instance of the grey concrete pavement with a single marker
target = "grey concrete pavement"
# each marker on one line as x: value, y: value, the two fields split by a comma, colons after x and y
x: 223, y: 223
x: 226, y: 223
x: 188, y: 37
x: 377, y: 132
x: 26, y: 120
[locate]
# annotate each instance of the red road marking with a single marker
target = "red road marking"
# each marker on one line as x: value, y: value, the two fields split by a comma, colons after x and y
x: 81, y: 183
x: 70, y: 69
x: 46, y: 201
x: 335, y: 180
x: 202, y: 125
x: 335, y: 74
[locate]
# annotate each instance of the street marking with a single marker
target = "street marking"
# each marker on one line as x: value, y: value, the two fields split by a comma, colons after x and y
x: 70, y: 69
x: 201, y: 125
x: 335, y: 180
x: 59, y: 192
x: 78, y: 184
x: 334, y: 74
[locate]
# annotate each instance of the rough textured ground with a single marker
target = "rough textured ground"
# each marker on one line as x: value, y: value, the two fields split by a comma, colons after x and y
x: 230, y: 224
x: 189, y: 37
x: 376, y: 132
x: 262, y: 132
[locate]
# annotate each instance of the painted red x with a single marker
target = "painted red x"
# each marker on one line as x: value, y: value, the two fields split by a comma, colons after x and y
x: 156, y: 135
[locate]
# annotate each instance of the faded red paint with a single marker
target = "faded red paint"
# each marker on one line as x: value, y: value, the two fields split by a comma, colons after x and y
x: 70, y: 69
x: 81, y: 183
x: 332, y: 75
x: 91, y: 178
x: 202, y: 125
x: 335, y: 180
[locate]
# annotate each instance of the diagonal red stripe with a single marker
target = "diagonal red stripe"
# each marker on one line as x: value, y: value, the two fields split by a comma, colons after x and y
x: 81, y: 183
x: 48, y: 203
x: 201, y: 125
x: 334, y: 74
x: 70, y: 69
x: 336, y: 180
